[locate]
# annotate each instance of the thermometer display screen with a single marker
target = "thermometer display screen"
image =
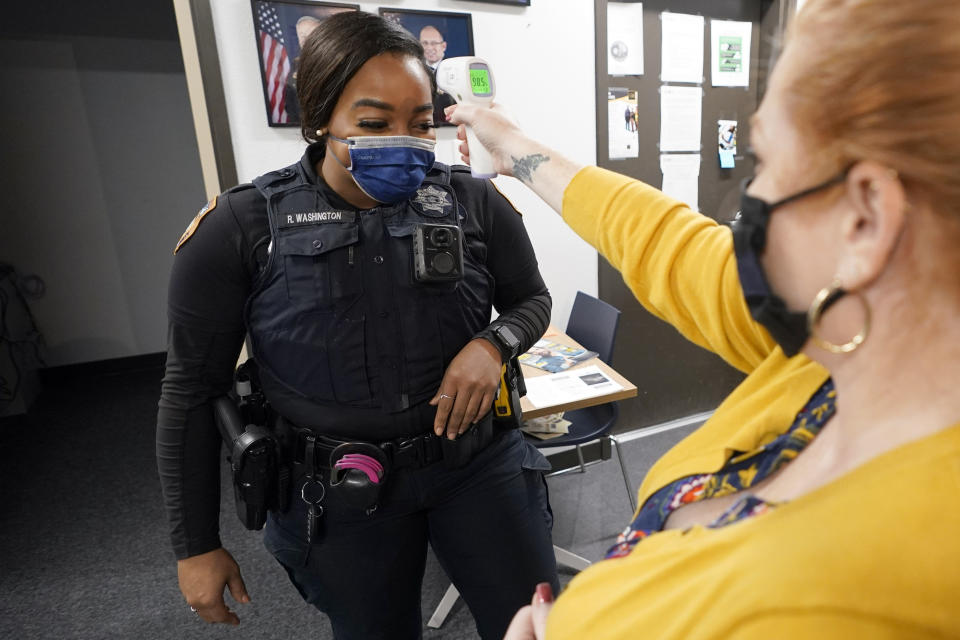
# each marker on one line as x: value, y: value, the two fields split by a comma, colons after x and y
x: 480, y: 81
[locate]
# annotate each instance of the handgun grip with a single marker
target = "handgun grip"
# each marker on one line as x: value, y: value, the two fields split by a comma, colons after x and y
x: 228, y: 419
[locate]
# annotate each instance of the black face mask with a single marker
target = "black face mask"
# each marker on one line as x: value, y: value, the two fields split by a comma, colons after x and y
x: 788, y: 328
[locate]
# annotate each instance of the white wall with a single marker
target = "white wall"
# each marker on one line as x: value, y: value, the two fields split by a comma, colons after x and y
x: 532, y: 51
x: 101, y: 176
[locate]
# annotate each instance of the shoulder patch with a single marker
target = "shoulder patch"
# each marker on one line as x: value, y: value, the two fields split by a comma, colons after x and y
x: 504, y: 196
x: 197, y: 219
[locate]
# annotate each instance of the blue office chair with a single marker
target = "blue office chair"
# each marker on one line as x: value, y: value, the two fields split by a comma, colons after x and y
x: 593, y: 323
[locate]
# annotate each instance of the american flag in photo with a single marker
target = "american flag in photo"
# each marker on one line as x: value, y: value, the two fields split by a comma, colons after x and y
x: 276, y: 63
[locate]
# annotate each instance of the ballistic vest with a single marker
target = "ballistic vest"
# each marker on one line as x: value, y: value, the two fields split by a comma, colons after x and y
x: 337, y: 316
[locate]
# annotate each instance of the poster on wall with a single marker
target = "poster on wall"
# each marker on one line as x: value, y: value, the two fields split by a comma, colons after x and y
x: 625, y: 39
x: 681, y: 115
x: 281, y: 27
x: 730, y: 52
x: 442, y: 35
x: 681, y: 177
x: 622, y: 123
x: 681, y: 42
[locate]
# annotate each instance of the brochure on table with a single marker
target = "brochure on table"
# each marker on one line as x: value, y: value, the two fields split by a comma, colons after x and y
x: 569, y: 386
x: 554, y: 356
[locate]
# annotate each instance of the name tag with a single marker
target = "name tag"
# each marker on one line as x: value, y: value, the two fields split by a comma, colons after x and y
x: 287, y: 220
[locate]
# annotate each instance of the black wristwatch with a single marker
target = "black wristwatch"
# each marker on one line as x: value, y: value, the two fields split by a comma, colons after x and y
x: 506, y: 341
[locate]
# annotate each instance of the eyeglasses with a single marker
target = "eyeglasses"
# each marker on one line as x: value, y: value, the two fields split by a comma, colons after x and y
x: 431, y: 43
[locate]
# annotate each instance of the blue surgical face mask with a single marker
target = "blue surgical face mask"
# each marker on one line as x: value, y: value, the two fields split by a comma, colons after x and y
x: 389, y: 169
x: 788, y: 328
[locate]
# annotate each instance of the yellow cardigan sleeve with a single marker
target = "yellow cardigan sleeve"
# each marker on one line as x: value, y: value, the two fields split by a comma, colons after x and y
x: 678, y: 263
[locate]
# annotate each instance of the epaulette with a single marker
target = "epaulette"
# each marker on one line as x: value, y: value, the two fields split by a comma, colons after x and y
x: 240, y: 187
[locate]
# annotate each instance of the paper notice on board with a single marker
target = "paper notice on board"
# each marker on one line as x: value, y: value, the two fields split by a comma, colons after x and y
x: 622, y: 122
x: 681, y: 111
x: 681, y: 177
x: 625, y: 39
x: 682, y: 48
x: 730, y: 53
x: 569, y: 386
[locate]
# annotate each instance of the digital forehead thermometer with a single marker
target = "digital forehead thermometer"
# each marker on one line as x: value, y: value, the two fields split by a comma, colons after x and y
x: 469, y: 81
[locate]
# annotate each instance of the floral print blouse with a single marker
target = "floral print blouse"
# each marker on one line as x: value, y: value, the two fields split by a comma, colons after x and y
x: 739, y: 474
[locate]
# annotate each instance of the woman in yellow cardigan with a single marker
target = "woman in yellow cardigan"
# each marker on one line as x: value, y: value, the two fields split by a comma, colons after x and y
x: 822, y: 499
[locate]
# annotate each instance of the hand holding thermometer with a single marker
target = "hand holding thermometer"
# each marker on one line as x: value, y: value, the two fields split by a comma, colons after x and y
x: 469, y: 80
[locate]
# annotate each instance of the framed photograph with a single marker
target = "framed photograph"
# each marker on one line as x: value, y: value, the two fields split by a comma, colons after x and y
x: 443, y: 35
x: 512, y: 3
x: 280, y: 27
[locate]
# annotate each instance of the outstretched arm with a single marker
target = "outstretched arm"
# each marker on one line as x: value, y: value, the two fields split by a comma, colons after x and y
x: 679, y: 264
x: 542, y: 169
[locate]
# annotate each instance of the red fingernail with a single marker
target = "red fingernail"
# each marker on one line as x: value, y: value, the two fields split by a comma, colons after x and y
x: 545, y: 592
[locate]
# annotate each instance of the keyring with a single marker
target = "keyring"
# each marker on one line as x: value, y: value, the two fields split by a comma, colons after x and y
x: 303, y: 492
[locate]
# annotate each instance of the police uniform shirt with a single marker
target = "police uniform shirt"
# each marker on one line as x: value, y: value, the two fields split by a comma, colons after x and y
x: 213, y: 274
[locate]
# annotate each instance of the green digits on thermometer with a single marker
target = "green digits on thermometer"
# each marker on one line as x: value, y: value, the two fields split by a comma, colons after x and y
x: 480, y: 81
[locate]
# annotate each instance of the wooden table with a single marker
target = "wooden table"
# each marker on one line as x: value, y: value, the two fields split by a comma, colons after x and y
x: 629, y: 390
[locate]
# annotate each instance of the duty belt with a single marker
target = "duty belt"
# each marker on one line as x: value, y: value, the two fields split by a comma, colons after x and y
x: 409, y: 452
x: 418, y: 451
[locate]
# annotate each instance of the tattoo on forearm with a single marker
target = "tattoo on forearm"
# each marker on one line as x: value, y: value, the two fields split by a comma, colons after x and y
x: 524, y: 167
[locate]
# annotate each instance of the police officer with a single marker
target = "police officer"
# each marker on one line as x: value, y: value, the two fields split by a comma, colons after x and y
x: 365, y: 276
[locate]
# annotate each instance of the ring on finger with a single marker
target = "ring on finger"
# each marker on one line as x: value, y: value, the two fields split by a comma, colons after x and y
x: 443, y: 395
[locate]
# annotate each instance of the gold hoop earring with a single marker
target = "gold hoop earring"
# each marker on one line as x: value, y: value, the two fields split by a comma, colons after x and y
x: 821, y: 302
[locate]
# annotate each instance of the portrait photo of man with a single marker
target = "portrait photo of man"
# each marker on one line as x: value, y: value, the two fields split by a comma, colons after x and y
x: 442, y: 35
x: 434, y: 46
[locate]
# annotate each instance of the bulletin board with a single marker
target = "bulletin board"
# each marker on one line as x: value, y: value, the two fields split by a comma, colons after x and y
x: 675, y: 378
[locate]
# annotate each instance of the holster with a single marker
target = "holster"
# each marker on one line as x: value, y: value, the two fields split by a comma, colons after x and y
x: 261, y: 480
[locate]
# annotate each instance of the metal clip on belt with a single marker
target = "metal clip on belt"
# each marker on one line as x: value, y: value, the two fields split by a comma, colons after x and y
x: 419, y: 451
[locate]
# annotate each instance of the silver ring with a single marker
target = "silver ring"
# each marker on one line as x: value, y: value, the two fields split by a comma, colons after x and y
x: 443, y: 395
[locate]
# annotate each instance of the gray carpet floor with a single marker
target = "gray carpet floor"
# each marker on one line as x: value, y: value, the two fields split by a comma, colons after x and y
x: 84, y: 551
